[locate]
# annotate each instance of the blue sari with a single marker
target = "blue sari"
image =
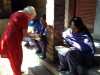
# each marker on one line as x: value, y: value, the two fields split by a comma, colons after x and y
x: 80, y: 41
x: 81, y: 51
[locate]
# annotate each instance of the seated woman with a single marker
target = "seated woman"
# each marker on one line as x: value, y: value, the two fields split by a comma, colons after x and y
x: 81, y: 46
x: 39, y: 29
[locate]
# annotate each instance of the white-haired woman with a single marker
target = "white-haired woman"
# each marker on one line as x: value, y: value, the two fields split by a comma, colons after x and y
x: 10, y: 43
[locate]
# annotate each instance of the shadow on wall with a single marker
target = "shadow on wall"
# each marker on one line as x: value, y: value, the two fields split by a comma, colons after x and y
x: 3, y: 23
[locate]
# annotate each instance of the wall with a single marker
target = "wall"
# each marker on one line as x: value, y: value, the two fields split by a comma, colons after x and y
x: 40, y: 6
x: 55, y: 30
x: 87, y: 10
x: 3, y: 23
x: 97, y: 21
x: 5, y: 8
x: 66, y: 13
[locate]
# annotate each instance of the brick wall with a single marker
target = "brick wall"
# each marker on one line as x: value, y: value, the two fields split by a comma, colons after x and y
x: 87, y: 10
x: 59, y: 16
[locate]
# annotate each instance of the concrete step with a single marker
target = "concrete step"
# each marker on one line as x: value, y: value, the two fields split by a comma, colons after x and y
x: 97, y: 45
x: 97, y: 59
x: 53, y: 69
x: 39, y: 70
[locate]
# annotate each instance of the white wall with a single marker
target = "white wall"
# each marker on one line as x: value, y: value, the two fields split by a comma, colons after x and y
x: 50, y: 12
x: 66, y: 13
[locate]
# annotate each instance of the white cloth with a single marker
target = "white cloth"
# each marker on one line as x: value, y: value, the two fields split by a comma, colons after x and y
x: 62, y: 50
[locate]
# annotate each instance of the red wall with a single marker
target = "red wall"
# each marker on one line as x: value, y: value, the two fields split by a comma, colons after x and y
x: 87, y: 10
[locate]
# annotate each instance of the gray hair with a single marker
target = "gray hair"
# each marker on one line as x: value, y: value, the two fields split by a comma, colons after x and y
x: 30, y: 10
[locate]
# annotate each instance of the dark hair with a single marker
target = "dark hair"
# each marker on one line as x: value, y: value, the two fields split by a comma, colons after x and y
x: 81, y: 26
x: 44, y: 17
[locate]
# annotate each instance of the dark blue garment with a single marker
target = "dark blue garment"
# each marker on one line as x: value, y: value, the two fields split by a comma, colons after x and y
x: 38, y: 27
x: 81, y: 41
x: 81, y: 54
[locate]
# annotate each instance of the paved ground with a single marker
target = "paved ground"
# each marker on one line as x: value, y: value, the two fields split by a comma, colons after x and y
x: 39, y: 70
x: 31, y: 64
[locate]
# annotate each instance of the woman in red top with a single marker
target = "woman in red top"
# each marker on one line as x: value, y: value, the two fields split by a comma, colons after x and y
x: 13, y: 35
